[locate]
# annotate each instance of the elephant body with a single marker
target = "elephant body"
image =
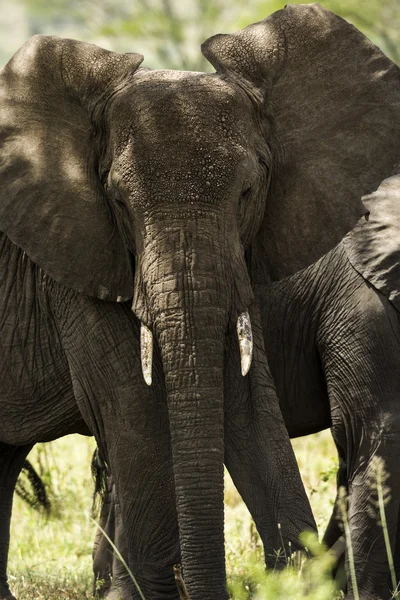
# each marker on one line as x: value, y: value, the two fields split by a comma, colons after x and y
x: 141, y: 211
x: 36, y: 389
x: 333, y: 345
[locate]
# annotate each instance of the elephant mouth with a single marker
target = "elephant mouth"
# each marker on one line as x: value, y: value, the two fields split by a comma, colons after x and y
x: 245, y: 339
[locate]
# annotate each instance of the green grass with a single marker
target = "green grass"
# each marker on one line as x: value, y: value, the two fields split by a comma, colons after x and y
x: 50, y: 559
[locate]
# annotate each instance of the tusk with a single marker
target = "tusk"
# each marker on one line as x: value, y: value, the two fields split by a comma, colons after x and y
x: 146, y: 352
x: 245, y: 336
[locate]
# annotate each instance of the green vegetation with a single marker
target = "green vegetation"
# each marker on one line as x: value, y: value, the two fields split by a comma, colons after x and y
x: 50, y: 558
x: 169, y: 32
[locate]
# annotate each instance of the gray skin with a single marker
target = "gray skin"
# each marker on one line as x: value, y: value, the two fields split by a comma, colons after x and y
x: 118, y: 181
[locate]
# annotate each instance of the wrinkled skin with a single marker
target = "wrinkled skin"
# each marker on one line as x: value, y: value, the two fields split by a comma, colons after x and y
x: 119, y: 181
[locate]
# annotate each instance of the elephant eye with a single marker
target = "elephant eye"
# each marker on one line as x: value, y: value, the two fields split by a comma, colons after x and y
x: 104, y: 178
x: 243, y: 201
x: 245, y: 194
x: 264, y: 162
x: 118, y: 199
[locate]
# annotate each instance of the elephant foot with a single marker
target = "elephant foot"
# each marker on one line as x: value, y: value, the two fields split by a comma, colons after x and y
x: 118, y: 594
x: 7, y: 596
x: 5, y: 593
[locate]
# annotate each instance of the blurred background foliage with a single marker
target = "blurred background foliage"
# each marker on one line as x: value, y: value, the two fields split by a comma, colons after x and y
x: 169, y: 32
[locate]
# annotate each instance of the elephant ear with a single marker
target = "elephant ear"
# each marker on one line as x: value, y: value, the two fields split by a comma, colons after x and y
x: 52, y: 203
x: 331, y: 107
x: 373, y: 246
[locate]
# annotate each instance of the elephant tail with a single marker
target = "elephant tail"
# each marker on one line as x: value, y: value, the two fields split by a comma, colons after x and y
x: 100, y: 474
x: 31, y: 488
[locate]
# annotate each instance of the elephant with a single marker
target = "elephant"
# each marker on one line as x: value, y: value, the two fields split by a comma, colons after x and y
x: 141, y: 212
x: 332, y: 336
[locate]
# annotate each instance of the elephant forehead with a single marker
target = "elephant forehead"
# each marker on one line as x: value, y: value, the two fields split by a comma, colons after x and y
x: 175, y: 107
x: 182, y: 133
x: 177, y: 175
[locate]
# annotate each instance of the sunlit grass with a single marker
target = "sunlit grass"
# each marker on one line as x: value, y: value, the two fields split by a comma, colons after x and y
x: 50, y: 559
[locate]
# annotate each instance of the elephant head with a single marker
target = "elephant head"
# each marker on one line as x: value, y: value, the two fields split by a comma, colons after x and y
x: 123, y: 182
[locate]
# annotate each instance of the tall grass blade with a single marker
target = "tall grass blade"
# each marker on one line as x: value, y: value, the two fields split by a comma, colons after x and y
x: 381, y: 476
x: 350, y: 553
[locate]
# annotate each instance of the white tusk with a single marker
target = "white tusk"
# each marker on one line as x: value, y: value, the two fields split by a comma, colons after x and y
x: 146, y: 352
x: 245, y: 336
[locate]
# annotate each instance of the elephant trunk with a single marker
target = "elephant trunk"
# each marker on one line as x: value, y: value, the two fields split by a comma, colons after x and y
x: 188, y: 296
x: 192, y: 352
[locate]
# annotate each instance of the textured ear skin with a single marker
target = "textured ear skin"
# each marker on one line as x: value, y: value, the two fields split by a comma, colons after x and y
x: 373, y: 246
x: 332, y: 114
x: 52, y: 203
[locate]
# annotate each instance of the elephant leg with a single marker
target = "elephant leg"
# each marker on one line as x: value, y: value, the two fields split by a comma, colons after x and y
x: 150, y: 538
x: 370, y: 554
x: 102, y: 550
x: 11, y: 460
x: 360, y: 352
x: 144, y: 487
x: 334, y: 538
x: 130, y: 423
x: 112, y: 580
x: 334, y: 529
x: 259, y: 455
x: 121, y: 587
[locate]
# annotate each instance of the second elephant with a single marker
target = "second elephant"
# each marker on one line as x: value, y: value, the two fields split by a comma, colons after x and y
x: 332, y: 336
